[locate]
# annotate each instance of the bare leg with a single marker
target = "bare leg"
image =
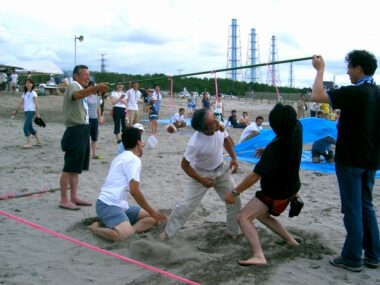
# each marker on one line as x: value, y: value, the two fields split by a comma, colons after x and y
x: 28, y: 143
x: 277, y: 228
x: 155, y: 127
x: 74, y: 182
x: 37, y: 139
x: 119, y: 233
x: 93, y: 149
x: 64, y: 183
x: 106, y: 233
x: 144, y: 224
x: 252, y: 210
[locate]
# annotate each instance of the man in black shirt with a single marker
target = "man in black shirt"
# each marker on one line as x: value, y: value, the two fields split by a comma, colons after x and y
x: 233, y: 121
x: 357, y: 156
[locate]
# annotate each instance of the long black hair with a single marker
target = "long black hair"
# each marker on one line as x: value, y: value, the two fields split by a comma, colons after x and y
x: 33, y: 85
x: 282, y: 119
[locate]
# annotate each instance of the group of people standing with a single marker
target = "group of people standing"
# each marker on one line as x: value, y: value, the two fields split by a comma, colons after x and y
x: 9, y: 81
x: 277, y: 169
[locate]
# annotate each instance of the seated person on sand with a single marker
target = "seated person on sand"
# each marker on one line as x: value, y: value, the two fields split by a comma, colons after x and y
x: 322, y: 147
x: 178, y: 119
x: 233, y: 121
x: 120, y: 219
x: 252, y: 130
x: 278, y: 172
x: 244, y: 121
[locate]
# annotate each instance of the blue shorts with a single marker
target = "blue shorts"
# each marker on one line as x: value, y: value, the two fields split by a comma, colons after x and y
x: 112, y: 216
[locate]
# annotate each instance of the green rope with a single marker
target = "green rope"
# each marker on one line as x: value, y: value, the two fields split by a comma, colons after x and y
x: 221, y: 70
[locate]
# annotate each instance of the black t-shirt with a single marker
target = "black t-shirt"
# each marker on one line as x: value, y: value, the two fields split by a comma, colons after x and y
x: 279, y: 165
x: 233, y: 120
x: 358, y: 141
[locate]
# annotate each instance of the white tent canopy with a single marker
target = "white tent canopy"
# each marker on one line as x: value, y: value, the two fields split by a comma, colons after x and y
x: 38, y: 66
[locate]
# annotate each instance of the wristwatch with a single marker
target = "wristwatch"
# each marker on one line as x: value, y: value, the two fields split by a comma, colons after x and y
x: 234, y: 193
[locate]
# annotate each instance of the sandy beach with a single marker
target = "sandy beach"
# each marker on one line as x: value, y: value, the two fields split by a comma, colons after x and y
x: 201, y: 251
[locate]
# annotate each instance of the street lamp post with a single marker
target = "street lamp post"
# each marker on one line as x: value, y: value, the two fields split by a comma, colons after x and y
x: 80, y: 38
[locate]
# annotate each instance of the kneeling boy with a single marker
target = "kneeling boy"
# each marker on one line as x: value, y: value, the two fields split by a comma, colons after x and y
x: 121, y: 220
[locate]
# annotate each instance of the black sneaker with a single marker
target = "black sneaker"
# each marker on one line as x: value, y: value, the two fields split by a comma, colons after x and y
x: 371, y: 263
x: 339, y: 262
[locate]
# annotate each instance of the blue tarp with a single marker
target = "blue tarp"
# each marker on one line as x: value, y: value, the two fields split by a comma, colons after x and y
x: 167, y: 121
x: 313, y: 129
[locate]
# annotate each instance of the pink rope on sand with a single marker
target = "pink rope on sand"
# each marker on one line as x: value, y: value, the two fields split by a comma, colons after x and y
x: 7, y: 196
x: 81, y: 243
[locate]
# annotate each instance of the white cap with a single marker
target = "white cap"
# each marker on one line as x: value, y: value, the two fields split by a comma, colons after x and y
x: 139, y: 126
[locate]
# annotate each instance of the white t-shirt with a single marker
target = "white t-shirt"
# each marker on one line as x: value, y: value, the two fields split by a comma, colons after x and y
x: 176, y: 117
x: 218, y: 107
x: 29, y: 100
x: 117, y: 95
x: 205, y: 152
x: 248, y: 130
x: 133, y: 97
x: 3, y: 77
x: 124, y: 168
x: 14, y: 77
x: 156, y: 96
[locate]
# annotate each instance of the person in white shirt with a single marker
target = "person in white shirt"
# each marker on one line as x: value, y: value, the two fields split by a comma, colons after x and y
x: 121, y: 219
x: 3, y: 81
x: 30, y: 103
x: 134, y: 95
x: 14, y: 80
x: 119, y: 102
x: 252, y: 130
x: 178, y: 119
x: 204, y: 163
x: 157, y: 96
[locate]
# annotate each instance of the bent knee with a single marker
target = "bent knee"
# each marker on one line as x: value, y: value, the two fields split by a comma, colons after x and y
x: 241, y: 217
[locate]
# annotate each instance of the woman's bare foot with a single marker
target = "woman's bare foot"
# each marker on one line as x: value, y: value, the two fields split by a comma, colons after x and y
x: 253, y: 261
x: 292, y: 243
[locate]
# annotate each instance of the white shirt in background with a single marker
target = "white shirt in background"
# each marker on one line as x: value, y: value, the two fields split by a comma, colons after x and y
x: 248, y: 130
x: 133, y: 97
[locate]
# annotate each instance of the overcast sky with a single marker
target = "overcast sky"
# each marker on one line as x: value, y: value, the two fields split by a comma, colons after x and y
x: 183, y: 36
